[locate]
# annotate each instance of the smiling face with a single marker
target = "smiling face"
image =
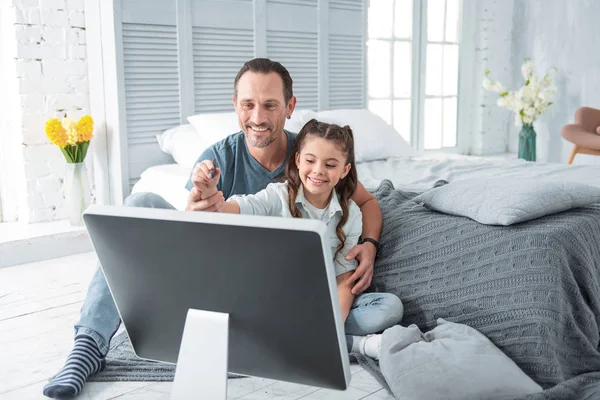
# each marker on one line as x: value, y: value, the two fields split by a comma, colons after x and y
x: 321, y: 164
x: 261, y: 107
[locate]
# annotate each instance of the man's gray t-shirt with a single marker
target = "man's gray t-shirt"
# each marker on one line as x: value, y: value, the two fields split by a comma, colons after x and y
x: 240, y: 172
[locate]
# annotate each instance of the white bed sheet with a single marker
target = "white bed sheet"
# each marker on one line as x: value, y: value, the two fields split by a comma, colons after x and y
x: 168, y: 181
x: 420, y: 173
x: 410, y: 173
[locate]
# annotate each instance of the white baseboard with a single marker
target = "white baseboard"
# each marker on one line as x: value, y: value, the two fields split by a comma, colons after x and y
x: 44, y: 247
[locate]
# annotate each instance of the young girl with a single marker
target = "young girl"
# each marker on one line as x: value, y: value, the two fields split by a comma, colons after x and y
x: 321, y: 180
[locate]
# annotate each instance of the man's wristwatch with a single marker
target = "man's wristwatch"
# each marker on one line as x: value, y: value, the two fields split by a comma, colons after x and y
x: 370, y: 240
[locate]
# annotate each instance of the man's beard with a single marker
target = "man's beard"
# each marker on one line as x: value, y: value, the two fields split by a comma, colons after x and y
x: 261, y: 143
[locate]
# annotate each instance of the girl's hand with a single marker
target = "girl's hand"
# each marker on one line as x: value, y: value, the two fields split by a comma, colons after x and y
x: 204, y: 196
x: 205, y: 201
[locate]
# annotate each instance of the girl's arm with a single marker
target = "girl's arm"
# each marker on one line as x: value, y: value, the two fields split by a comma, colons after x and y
x: 268, y: 202
x: 346, y: 268
x: 345, y: 295
x: 260, y: 203
x: 231, y: 207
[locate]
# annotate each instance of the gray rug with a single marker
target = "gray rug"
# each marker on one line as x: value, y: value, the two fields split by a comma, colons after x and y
x: 123, y: 365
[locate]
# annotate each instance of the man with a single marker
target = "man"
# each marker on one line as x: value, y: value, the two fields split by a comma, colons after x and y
x: 248, y: 161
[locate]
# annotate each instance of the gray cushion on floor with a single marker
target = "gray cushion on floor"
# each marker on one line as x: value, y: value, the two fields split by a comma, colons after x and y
x: 452, y: 361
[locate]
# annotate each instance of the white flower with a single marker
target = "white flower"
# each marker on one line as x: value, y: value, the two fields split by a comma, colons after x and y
x: 527, y: 70
x: 518, y: 122
x: 529, y: 112
x: 519, y: 93
x: 534, y: 81
x: 498, y: 88
x: 493, y: 86
x: 534, y: 90
x: 547, y: 81
x: 517, y: 106
x: 529, y: 101
x: 529, y: 93
x: 513, y: 103
x: 487, y: 83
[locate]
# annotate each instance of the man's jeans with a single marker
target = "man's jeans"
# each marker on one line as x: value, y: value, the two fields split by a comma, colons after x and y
x: 370, y: 313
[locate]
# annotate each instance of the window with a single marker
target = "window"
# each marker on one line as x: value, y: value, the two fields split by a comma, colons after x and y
x: 413, y: 58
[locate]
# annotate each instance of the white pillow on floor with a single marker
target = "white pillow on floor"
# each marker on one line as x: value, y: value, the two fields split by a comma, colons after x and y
x: 451, y: 362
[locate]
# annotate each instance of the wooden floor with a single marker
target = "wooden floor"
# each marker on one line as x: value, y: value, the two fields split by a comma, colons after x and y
x: 40, y: 302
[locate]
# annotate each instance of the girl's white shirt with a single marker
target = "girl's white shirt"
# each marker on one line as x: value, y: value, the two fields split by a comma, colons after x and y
x: 273, y: 201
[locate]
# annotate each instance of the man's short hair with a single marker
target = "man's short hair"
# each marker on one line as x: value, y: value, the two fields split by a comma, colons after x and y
x: 266, y: 66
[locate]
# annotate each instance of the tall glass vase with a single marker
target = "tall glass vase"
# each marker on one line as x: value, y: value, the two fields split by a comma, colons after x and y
x: 527, y: 143
x: 77, y: 192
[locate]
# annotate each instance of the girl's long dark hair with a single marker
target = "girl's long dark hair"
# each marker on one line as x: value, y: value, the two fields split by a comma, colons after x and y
x: 345, y: 188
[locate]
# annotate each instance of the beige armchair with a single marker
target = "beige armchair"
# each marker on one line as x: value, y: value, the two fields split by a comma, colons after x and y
x: 584, y: 133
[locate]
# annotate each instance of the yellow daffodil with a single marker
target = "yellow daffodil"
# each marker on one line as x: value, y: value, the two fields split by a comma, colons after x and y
x: 56, y: 133
x: 69, y: 126
x: 73, y: 137
x: 85, y: 128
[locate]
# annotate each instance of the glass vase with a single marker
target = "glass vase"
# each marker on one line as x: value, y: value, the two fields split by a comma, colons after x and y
x: 527, y: 143
x: 77, y: 192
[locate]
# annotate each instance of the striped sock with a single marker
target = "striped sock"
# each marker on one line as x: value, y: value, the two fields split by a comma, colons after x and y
x: 85, y: 360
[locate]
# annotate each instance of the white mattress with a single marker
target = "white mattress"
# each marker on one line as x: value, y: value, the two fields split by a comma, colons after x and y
x: 410, y: 173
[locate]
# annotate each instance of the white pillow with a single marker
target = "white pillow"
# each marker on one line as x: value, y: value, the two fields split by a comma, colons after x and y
x: 506, y: 200
x: 213, y: 127
x: 374, y: 139
x: 451, y: 362
x: 299, y: 119
x: 183, y: 143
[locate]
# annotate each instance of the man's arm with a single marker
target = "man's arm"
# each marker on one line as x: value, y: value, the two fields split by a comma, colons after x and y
x: 365, y: 253
x: 371, y: 213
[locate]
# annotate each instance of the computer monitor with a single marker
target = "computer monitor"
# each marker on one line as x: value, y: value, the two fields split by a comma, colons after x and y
x: 272, y: 278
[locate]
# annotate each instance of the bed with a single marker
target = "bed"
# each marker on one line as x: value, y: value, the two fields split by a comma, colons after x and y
x: 533, y: 288
x: 415, y: 173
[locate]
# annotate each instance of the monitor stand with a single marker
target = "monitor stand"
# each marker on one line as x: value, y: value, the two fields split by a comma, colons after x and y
x: 201, y: 370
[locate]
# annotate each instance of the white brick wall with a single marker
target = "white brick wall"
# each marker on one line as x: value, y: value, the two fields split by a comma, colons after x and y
x: 12, y: 174
x: 51, y: 79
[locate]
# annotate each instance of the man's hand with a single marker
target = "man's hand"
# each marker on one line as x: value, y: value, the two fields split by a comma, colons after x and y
x: 365, y: 254
x: 204, y: 196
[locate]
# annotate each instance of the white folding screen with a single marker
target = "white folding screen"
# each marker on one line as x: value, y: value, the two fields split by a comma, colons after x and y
x: 222, y: 41
x: 151, y: 81
x: 295, y: 43
x: 179, y: 58
x: 346, y: 54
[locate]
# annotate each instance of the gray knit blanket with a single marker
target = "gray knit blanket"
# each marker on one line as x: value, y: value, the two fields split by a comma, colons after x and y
x: 532, y: 288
